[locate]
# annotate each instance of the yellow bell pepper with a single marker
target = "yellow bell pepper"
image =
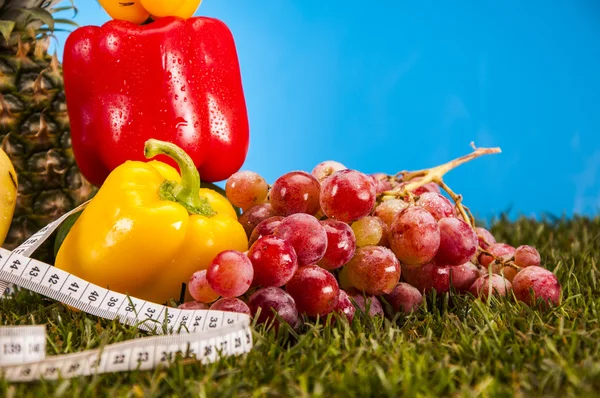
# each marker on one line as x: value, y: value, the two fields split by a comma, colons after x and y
x: 8, y: 194
x: 148, y: 229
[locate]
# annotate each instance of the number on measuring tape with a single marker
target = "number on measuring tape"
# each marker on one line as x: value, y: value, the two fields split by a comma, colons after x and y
x: 171, y: 317
x: 142, y: 358
x: 128, y: 312
x: 214, y: 320
x: 119, y: 360
x: 113, y: 301
x: 54, y: 279
x: 74, y: 287
x: 16, y: 264
x: 93, y: 295
x: 150, y: 312
x: 198, y: 319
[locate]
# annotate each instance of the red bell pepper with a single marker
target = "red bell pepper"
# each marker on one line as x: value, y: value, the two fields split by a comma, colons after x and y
x: 173, y: 80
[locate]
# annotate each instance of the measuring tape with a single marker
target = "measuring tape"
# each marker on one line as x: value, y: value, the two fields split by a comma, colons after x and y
x: 203, y: 335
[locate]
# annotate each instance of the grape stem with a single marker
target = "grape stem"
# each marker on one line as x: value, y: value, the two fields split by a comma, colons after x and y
x: 464, y: 210
x: 436, y: 175
x: 497, y: 260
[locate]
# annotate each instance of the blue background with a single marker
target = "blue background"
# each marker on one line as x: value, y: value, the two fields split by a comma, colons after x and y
x: 396, y: 85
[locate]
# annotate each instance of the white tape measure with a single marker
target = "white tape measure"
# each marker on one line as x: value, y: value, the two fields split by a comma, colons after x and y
x: 203, y: 335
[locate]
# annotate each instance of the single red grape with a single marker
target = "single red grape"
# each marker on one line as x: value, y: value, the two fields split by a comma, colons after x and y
x: 372, y: 303
x: 374, y: 270
x: 306, y: 235
x: 296, y: 192
x: 199, y: 288
x: 264, y: 228
x: 314, y: 290
x: 230, y: 274
x: 534, y: 283
x: 326, y: 169
x: 414, y: 236
x: 388, y: 210
x: 245, y: 189
x: 496, y: 285
x: 271, y: 299
x: 193, y: 305
x: 231, y: 305
x: 486, y: 239
x: 458, y: 242
x: 347, y: 195
x: 404, y: 298
x: 526, y: 256
x: 344, y: 306
x: 341, y: 244
x: 254, y: 215
x: 274, y: 261
x: 438, y: 205
x: 432, y: 276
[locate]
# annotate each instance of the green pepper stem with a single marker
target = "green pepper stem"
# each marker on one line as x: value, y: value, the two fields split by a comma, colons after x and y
x: 186, y: 193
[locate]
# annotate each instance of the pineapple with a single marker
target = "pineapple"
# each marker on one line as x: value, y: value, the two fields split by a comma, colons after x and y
x: 34, y: 125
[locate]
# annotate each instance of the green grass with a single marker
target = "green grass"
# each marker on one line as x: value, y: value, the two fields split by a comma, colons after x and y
x: 457, y: 347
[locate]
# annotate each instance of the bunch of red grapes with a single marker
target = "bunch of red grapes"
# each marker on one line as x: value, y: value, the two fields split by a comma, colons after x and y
x: 336, y: 239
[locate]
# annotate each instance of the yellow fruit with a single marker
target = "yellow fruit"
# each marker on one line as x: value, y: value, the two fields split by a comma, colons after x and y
x: 8, y: 194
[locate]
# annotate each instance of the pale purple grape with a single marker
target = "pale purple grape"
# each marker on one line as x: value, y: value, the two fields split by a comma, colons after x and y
x: 496, y: 285
x: 533, y: 283
x: 414, y: 236
x: 344, y: 306
x: 458, y: 242
x: 230, y: 274
x: 306, y: 235
x: 436, y: 204
x: 296, y: 192
x: 486, y: 239
x: 526, y: 256
x: 326, y: 169
x: 341, y: 244
x: 388, y: 210
x: 193, y: 305
x: 314, y: 289
x: 274, y: 261
x: 231, y: 305
x: 373, y: 304
x: 404, y: 298
x: 199, y: 288
x: 273, y: 299
x: 431, y: 276
x: 254, y: 215
x: 347, y: 195
x: 374, y: 270
x: 264, y: 228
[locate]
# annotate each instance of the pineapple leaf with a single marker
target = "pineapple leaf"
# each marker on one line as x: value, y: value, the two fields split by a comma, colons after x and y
x: 40, y: 14
x: 66, y: 8
x: 65, y: 21
x: 6, y: 28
